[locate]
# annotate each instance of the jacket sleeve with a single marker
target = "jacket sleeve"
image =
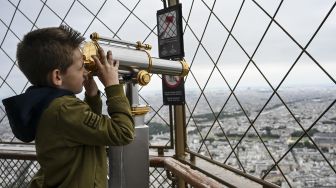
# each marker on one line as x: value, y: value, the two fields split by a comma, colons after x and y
x: 81, y: 125
x: 94, y: 102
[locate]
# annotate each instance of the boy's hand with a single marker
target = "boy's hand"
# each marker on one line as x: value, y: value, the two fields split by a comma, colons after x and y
x: 91, y: 88
x: 107, y: 68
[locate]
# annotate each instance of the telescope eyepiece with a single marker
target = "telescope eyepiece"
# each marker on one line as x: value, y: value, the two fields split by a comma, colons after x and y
x: 90, y: 49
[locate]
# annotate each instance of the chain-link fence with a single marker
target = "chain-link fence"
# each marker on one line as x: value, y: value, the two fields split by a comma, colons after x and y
x: 260, y: 95
x: 159, y: 178
x: 278, y: 132
x: 17, y: 173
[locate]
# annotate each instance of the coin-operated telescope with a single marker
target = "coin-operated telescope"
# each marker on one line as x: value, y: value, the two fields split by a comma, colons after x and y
x: 129, y: 165
x: 134, y: 59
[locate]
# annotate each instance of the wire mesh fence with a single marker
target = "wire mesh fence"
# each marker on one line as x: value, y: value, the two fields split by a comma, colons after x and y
x: 16, y: 173
x: 159, y: 178
x: 274, y: 133
x: 260, y: 95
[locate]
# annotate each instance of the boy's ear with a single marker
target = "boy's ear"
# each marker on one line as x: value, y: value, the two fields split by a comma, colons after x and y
x: 56, y: 77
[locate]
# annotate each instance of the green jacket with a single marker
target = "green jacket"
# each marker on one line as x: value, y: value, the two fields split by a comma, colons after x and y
x: 71, y: 138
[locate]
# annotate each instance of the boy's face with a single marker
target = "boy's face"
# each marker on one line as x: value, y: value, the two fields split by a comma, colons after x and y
x: 73, y: 78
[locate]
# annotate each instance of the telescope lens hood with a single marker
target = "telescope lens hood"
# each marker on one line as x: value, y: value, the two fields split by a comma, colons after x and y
x: 90, y: 49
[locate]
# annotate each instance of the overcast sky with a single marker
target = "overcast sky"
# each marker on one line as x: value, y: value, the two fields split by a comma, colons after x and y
x: 276, y: 54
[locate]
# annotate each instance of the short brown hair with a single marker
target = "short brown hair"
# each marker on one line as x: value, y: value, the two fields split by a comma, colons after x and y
x: 44, y: 50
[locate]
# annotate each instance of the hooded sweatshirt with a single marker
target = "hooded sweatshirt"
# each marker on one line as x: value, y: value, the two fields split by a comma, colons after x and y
x: 70, y: 134
x: 24, y: 110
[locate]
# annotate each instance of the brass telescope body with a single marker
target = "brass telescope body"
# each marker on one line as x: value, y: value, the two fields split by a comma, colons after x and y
x: 133, y: 59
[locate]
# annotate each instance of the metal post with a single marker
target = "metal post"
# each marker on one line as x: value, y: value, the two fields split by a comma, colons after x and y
x: 179, y: 122
x: 179, y: 137
x: 129, y: 165
x: 179, y: 119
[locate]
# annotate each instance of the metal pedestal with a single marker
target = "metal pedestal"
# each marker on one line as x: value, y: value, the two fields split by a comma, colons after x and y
x: 129, y: 165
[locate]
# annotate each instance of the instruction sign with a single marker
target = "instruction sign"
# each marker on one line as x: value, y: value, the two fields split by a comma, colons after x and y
x: 170, y: 35
x: 173, y: 90
x: 170, y: 40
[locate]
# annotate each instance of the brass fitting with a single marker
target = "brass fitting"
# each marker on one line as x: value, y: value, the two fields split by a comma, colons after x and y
x: 139, y: 110
x: 150, y: 61
x: 185, y: 68
x: 140, y: 46
x: 94, y: 36
x: 143, y: 77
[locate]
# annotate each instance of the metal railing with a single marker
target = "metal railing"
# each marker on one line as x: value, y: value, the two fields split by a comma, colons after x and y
x: 18, y: 166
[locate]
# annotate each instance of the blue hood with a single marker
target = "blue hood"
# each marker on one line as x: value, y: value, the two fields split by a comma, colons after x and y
x: 24, y: 110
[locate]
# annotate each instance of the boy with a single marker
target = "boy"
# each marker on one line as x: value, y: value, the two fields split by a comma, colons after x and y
x: 70, y: 135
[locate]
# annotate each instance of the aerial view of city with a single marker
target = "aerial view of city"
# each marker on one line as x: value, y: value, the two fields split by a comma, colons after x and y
x: 258, y: 78
x: 303, y: 165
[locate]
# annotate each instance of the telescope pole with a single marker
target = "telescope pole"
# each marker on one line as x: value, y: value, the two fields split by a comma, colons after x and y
x: 129, y: 165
